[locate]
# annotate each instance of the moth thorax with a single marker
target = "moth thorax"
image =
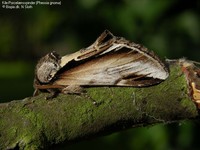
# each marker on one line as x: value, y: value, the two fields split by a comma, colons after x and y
x: 47, y: 71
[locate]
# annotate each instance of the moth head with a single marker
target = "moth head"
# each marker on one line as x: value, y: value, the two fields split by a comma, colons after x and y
x: 47, y: 67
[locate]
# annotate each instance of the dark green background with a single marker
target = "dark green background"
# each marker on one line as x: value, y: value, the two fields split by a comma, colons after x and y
x: 171, y: 28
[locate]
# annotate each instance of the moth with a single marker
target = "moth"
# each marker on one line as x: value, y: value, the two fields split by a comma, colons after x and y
x: 109, y: 61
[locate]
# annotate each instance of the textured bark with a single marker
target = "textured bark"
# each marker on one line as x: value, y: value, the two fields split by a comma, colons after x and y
x: 36, y: 123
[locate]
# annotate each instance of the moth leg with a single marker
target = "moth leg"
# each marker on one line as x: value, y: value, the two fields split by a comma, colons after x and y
x: 73, y: 89
x: 36, y: 92
x: 53, y: 94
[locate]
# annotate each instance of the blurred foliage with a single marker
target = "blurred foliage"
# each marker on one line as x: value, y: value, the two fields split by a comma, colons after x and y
x: 169, y: 27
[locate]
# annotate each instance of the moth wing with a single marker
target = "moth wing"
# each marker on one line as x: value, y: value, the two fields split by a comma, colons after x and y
x: 121, y: 64
x: 103, y: 42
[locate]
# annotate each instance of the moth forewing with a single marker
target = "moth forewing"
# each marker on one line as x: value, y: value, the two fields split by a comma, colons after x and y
x: 119, y: 65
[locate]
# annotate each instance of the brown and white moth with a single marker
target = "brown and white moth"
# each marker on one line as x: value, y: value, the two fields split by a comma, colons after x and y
x: 109, y: 61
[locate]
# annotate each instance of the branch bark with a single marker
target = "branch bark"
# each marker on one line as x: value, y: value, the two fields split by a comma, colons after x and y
x: 36, y: 123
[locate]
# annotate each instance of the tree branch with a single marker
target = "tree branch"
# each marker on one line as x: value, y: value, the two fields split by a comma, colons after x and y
x: 35, y: 123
